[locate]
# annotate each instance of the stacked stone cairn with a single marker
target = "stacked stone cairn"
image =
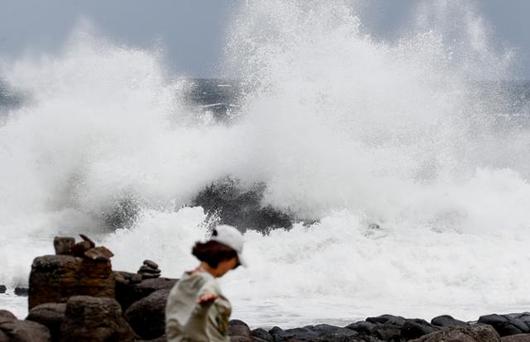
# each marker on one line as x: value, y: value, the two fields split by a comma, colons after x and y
x: 149, y: 270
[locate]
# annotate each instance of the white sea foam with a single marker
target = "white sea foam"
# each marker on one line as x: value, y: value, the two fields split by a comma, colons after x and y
x: 341, y: 127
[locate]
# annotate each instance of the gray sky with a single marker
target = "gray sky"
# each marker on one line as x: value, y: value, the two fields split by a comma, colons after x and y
x: 193, y: 31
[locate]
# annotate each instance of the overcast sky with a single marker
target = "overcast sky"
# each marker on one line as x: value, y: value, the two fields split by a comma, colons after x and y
x: 193, y: 31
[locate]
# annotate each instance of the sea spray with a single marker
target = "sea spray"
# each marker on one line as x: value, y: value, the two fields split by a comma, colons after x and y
x: 420, y: 199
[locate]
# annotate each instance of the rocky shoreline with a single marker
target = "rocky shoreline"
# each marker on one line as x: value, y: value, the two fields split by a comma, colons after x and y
x: 75, y: 295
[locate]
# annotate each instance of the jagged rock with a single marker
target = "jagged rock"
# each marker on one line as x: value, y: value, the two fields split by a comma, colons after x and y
x: 63, y: 245
x: 261, y: 335
x: 7, y: 316
x: 321, y: 332
x: 25, y: 331
x: 3, y: 289
x: 151, y: 264
x: 99, y: 253
x: 516, y: 338
x: 21, y: 291
x: 447, y: 321
x: 55, y: 278
x: 87, y: 239
x: 511, y: 324
x: 415, y: 328
x: 471, y: 333
x: 363, y: 327
x: 240, y: 206
x: 130, y: 291
x: 239, y: 331
x: 50, y: 315
x: 80, y: 248
x: 147, y: 316
x: 94, y: 319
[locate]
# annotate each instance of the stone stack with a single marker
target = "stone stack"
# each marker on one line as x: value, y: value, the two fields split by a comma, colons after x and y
x: 77, y: 269
x: 149, y: 270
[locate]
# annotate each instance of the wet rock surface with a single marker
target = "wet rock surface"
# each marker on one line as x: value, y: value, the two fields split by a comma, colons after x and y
x: 3, y: 289
x: 94, y: 319
x: 240, y: 206
x: 80, y: 298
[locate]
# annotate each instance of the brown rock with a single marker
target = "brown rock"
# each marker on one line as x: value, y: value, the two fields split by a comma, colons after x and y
x: 55, y: 278
x: 147, y: 316
x: 516, y: 338
x: 87, y: 239
x: 239, y: 330
x: 25, y: 331
x: 50, y: 315
x: 63, y: 245
x: 472, y: 333
x: 6, y: 316
x: 94, y: 319
x: 80, y: 248
x: 146, y: 269
x: 99, y: 253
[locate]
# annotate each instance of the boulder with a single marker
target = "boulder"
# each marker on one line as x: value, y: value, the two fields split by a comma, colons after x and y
x: 511, y: 324
x: 25, y: 331
x: 261, y: 335
x: 148, y: 315
x: 50, y: 315
x: 239, y: 331
x: 99, y: 253
x: 321, y: 332
x: 94, y: 319
x: 471, y: 333
x: 55, y: 278
x: 516, y: 338
x: 63, y: 245
x: 447, y: 321
x: 6, y: 316
x: 131, y: 288
x: 3, y: 289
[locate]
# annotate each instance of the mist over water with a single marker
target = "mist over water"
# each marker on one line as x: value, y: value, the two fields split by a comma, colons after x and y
x: 343, y: 128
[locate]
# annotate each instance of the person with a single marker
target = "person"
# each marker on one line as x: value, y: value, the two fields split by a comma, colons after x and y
x: 196, y: 308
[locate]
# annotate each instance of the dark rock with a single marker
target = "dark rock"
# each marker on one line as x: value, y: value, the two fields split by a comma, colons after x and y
x: 63, y: 245
x: 147, y: 316
x: 3, y: 289
x: 87, y: 239
x: 80, y: 248
x: 321, y: 332
x: 150, y: 263
x: 447, y: 321
x: 146, y: 269
x: 150, y: 276
x: 129, y: 290
x: 238, y: 328
x: 516, y: 338
x: 415, y: 328
x: 94, y: 319
x: 21, y: 291
x: 25, y: 331
x: 239, y: 206
x: 363, y: 327
x: 261, y: 335
x: 99, y: 253
x: 50, y: 315
x: 55, y: 278
x: 6, y: 316
x: 507, y: 325
x: 471, y: 333
x: 3, y: 337
x: 387, y: 319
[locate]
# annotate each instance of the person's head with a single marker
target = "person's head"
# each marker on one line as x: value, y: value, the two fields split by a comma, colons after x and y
x: 223, y: 252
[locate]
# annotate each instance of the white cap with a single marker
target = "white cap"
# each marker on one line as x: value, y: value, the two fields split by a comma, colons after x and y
x: 231, y: 237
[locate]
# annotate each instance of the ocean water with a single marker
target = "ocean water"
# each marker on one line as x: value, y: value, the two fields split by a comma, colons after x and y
x: 424, y: 136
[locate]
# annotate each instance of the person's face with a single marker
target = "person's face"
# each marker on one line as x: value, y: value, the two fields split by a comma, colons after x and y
x: 225, y: 266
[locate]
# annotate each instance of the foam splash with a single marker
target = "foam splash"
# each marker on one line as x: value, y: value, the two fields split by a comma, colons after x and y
x: 340, y: 126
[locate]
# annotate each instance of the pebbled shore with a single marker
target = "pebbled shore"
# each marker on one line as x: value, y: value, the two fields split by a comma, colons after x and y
x: 75, y: 295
